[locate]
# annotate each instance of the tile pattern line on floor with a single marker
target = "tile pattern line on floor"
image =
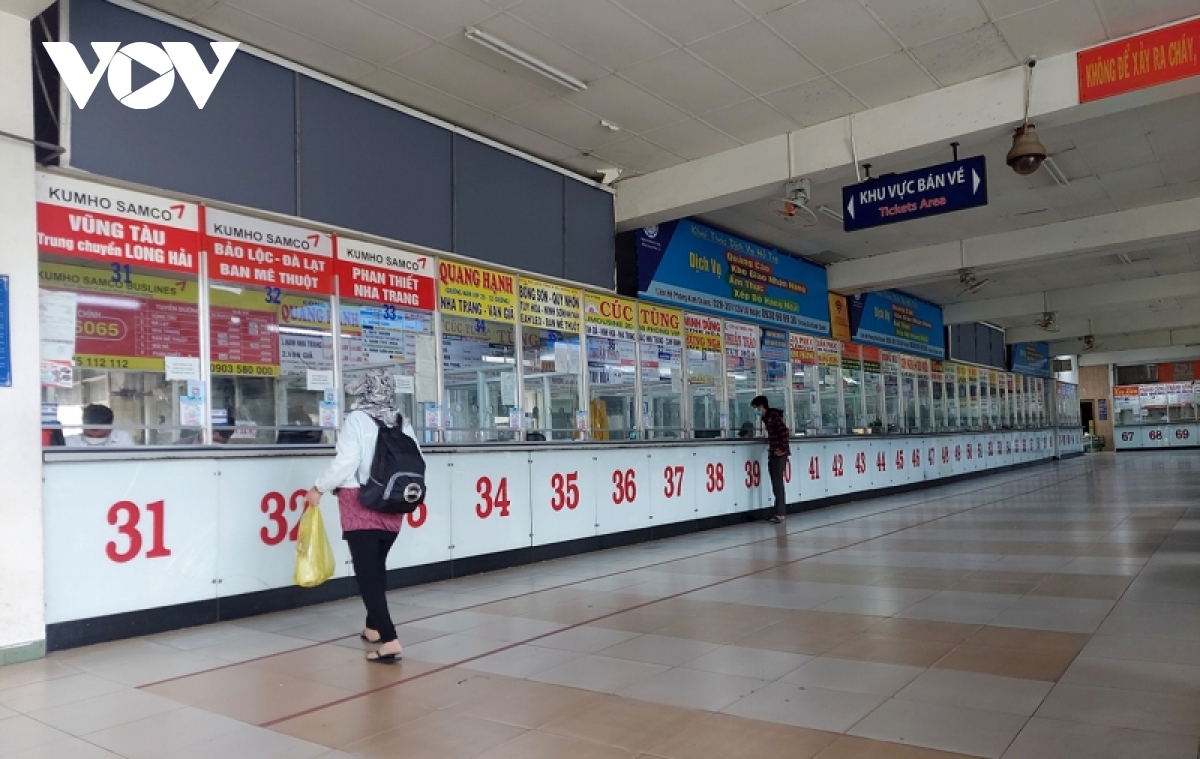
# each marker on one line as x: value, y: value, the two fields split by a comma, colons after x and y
x: 1046, y: 696
x: 800, y: 531
x: 510, y: 646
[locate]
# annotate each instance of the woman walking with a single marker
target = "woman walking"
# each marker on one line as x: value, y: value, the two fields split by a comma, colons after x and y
x: 369, y: 534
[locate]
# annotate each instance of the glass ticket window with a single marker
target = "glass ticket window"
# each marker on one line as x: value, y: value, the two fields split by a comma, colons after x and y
x: 776, y: 369
x: 662, y: 386
x: 1003, y: 396
x: 400, y: 342
x: 264, y: 344
x: 1126, y: 405
x: 873, y: 403
x: 950, y: 385
x: 938, y: 393
x: 704, y: 390
x: 829, y: 384
x: 893, y: 412
x: 126, y: 341
x: 985, y: 401
x: 741, y: 375
x: 925, y: 403
x: 479, y: 370
x: 552, y: 368
x: 908, y: 389
x: 612, y: 396
x: 805, y: 407
x: 852, y: 394
x: 974, y: 407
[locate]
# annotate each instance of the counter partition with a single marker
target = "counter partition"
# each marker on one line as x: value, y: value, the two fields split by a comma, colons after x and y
x: 145, y: 540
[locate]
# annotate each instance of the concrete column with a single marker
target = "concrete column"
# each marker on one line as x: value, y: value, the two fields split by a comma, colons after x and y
x: 22, y: 605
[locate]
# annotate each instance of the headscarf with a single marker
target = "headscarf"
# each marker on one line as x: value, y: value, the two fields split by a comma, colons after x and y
x: 376, y: 396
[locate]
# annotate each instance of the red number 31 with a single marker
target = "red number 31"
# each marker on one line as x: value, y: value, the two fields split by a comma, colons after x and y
x: 129, y: 528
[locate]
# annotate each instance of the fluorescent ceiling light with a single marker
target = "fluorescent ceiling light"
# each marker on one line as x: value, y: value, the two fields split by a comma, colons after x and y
x: 1055, y: 173
x: 497, y: 45
x: 829, y: 212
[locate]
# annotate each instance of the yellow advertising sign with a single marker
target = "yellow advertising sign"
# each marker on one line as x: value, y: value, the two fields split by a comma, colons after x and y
x: 661, y: 321
x: 547, y: 306
x: 839, y: 317
x: 476, y: 293
x: 703, y: 333
x: 94, y: 279
x: 609, y: 316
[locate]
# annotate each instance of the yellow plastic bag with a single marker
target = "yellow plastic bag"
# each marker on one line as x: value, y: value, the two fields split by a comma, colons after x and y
x: 314, y: 555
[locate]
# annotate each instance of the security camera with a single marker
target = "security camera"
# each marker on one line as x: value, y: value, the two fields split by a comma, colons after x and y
x: 608, y: 176
x: 1027, y: 152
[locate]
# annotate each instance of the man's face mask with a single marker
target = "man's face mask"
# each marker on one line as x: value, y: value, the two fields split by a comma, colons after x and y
x: 89, y: 440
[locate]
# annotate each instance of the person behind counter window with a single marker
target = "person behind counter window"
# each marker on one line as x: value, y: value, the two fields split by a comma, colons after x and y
x: 96, y: 417
x: 369, y: 534
x: 778, y: 450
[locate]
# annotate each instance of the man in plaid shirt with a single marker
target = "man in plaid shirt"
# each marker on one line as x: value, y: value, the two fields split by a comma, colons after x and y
x: 778, y: 450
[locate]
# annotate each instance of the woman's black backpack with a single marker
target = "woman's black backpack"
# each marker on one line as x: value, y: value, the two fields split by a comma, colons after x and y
x: 397, y: 482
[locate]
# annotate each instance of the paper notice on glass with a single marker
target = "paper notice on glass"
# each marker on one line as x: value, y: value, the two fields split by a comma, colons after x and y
x: 406, y: 384
x: 515, y: 418
x: 676, y: 381
x: 57, y: 373
x: 581, y: 420
x: 56, y: 323
x: 433, y: 417
x: 508, y: 388
x: 245, y: 430
x: 191, y: 411
x: 427, y: 358
x: 318, y: 379
x: 328, y: 414
x: 182, y: 368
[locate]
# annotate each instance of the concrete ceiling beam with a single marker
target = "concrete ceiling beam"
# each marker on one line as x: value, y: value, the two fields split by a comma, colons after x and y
x: 1093, y: 299
x: 1121, y: 231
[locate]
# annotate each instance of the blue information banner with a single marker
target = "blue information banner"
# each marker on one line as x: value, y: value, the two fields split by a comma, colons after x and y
x: 5, y: 336
x: 1031, y: 359
x: 893, y: 320
x: 948, y: 187
x: 692, y: 266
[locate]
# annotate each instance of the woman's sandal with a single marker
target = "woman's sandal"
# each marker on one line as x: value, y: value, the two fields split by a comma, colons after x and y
x: 380, y: 658
x: 776, y: 519
x: 367, y: 638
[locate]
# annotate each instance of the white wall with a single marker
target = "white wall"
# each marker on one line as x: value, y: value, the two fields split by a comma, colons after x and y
x: 22, y: 609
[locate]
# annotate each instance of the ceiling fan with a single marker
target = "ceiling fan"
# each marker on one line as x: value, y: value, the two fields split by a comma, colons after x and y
x: 971, y: 284
x: 793, y: 208
x: 1089, y: 343
x: 1047, y: 322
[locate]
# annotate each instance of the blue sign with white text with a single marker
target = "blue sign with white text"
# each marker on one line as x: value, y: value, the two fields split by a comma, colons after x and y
x: 954, y: 186
x: 5, y: 336
x: 691, y: 266
x: 1030, y: 359
x: 895, y: 321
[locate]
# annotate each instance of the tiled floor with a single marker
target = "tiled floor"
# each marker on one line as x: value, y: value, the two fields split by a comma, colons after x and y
x: 1047, y: 613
